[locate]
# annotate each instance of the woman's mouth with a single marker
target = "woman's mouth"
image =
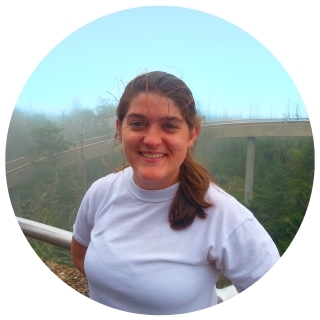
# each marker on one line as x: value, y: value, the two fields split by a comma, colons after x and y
x: 152, y: 155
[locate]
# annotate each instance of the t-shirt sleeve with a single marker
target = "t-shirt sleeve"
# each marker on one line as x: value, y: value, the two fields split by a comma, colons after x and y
x: 247, y: 254
x: 84, y: 221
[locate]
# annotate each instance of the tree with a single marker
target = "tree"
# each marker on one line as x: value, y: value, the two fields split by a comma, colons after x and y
x: 17, y: 139
x: 282, y: 189
x: 105, y: 118
x: 48, y: 140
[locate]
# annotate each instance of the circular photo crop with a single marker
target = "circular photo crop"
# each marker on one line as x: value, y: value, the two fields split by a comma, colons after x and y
x: 160, y: 160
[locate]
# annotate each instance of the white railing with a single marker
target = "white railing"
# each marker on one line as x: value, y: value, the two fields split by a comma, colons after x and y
x: 43, y: 232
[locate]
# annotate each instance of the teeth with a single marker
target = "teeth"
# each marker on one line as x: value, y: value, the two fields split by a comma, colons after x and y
x: 153, y: 155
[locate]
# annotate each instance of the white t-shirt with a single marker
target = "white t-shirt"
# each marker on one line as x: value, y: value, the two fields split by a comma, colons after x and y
x: 135, y: 262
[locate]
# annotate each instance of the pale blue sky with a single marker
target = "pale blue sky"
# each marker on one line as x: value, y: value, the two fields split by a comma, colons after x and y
x: 230, y: 73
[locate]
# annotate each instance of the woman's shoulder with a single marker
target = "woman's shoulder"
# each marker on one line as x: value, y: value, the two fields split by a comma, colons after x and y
x: 231, y: 219
x: 225, y: 205
x: 109, y: 180
x: 216, y: 193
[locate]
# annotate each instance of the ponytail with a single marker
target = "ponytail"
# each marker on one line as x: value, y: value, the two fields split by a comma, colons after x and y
x: 189, y: 200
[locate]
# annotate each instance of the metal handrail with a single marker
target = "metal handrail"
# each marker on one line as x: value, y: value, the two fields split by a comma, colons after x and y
x: 43, y: 232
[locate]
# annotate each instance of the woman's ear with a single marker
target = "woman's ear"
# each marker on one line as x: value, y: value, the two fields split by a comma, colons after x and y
x: 118, y: 126
x: 193, y: 136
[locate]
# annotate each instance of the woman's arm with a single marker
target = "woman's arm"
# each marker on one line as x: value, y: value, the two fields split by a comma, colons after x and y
x: 78, y: 252
x: 248, y: 254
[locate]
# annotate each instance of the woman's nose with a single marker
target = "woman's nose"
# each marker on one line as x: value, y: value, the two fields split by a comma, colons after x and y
x: 152, y: 137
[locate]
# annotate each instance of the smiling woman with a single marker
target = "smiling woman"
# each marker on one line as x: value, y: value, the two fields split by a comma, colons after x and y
x: 164, y: 108
x: 154, y: 237
x: 155, y: 143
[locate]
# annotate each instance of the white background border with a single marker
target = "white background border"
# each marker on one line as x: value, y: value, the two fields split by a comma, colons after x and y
x: 30, y: 29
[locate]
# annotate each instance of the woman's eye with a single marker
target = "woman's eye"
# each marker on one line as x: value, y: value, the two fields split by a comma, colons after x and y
x: 170, y: 126
x: 137, y: 124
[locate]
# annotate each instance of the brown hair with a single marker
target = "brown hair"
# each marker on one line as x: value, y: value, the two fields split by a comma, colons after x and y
x: 189, y: 200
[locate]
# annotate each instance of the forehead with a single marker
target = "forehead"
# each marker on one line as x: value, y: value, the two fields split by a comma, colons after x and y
x: 153, y: 105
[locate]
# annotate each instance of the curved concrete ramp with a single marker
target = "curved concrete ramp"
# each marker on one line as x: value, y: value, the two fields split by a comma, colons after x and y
x: 23, y: 169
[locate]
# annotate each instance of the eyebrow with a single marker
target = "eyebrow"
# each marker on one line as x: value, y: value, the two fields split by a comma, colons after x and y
x: 142, y: 117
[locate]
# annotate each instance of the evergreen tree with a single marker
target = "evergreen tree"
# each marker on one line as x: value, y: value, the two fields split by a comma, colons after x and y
x: 48, y: 140
x: 282, y: 188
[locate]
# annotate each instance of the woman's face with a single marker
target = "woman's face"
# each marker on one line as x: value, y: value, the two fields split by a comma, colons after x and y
x: 155, y: 138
